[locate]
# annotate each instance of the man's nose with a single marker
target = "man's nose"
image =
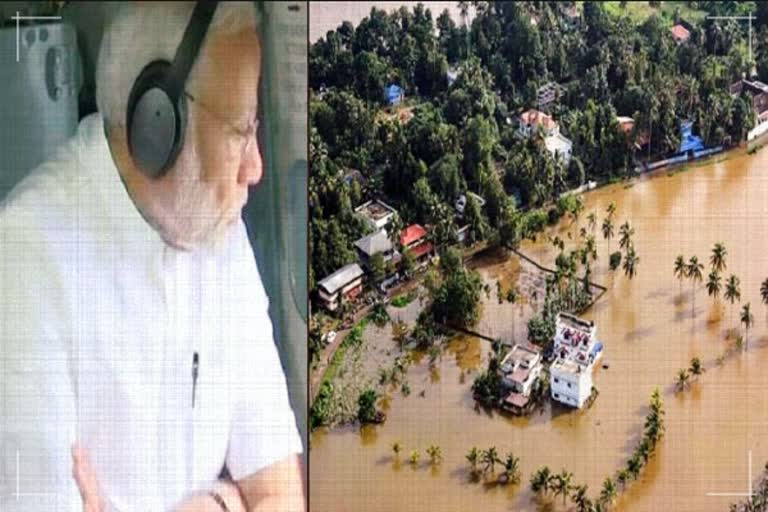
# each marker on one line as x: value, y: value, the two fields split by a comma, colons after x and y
x: 251, y: 165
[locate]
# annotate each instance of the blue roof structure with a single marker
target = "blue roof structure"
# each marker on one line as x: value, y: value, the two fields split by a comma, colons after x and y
x: 597, y: 348
x: 394, y: 94
x: 689, y: 141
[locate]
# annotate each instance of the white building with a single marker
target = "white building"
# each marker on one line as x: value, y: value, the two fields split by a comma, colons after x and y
x: 451, y: 75
x: 576, y: 350
x: 521, y: 367
x: 377, y: 213
x: 560, y: 146
x: 556, y: 143
x: 570, y: 382
x: 342, y: 286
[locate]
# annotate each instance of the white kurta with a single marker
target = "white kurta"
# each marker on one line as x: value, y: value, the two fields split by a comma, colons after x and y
x: 99, y: 324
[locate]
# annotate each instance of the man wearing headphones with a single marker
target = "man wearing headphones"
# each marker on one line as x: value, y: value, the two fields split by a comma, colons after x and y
x: 138, y: 370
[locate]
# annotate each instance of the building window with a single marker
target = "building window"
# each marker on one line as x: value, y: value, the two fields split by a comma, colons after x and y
x: 569, y: 384
x: 557, y: 396
x: 557, y: 380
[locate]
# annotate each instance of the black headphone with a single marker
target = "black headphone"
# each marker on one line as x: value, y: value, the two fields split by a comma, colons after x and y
x: 157, y: 105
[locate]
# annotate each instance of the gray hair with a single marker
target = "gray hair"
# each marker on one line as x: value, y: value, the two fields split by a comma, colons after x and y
x: 140, y: 33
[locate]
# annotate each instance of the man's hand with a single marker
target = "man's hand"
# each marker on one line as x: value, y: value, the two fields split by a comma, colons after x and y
x: 203, y: 502
x: 276, y: 488
x: 85, y: 476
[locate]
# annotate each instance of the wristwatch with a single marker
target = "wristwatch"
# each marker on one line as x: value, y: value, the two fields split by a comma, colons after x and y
x: 223, y: 504
x: 219, y: 500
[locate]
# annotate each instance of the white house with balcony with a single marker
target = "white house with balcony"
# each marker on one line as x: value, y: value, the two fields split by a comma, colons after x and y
x: 342, y: 286
x: 559, y: 146
x: 533, y: 121
x: 376, y: 213
x: 520, y: 369
x: 570, y: 382
x: 576, y: 350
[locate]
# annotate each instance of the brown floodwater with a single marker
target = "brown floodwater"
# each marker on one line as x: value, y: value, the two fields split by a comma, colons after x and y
x: 325, y: 16
x: 650, y: 330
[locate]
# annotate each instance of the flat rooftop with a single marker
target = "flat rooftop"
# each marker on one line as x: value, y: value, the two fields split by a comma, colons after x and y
x: 525, y: 355
x: 375, y: 210
x: 566, y: 366
x: 565, y: 320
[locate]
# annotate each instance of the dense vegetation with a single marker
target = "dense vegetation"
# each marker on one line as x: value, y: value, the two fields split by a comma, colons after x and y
x: 607, y: 61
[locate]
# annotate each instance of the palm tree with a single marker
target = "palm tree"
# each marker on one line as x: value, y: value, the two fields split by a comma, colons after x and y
x: 654, y: 424
x: 435, y: 454
x: 680, y: 269
x: 747, y: 319
x: 489, y: 458
x: 592, y: 221
x: 696, y: 368
x: 732, y: 291
x: 590, y: 247
x: 563, y: 484
x: 608, y: 492
x: 512, y: 468
x: 578, y: 209
x: 608, y: 232
x: 682, y: 379
x: 540, y: 480
x: 622, y: 477
x: 693, y: 272
x: 717, y: 260
x: 611, y: 209
x: 764, y: 291
x: 414, y: 458
x: 714, y: 284
x: 630, y: 262
x: 625, y: 234
x: 397, y: 448
x: 654, y: 431
x: 634, y: 466
x: 580, y: 498
x: 645, y: 449
x: 473, y: 457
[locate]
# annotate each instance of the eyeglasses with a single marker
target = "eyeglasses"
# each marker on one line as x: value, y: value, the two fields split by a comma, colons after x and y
x: 248, y: 135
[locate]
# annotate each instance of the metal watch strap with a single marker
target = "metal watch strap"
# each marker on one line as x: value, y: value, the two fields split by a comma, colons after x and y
x: 242, y: 495
x: 219, y: 500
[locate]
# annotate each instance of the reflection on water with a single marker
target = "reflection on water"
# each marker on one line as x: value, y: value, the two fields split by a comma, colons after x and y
x: 466, y: 351
x: 650, y: 331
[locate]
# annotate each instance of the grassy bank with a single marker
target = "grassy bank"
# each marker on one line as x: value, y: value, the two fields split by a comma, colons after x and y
x: 354, y: 338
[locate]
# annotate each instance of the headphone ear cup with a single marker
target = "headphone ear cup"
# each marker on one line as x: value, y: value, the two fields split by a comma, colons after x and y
x: 156, y: 122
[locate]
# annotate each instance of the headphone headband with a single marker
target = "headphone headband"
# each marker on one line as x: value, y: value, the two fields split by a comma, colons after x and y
x: 190, y: 45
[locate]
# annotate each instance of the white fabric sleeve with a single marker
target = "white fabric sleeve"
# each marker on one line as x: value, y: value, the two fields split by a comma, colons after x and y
x: 264, y: 426
x: 38, y: 427
x: 38, y: 416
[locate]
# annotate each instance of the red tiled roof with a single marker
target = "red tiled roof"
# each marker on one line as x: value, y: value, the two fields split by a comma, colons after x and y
x: 680, y: 33
x: 516, y: 399
x: 412, y: 233
x: 421, y: 249
x: 534, y: 117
